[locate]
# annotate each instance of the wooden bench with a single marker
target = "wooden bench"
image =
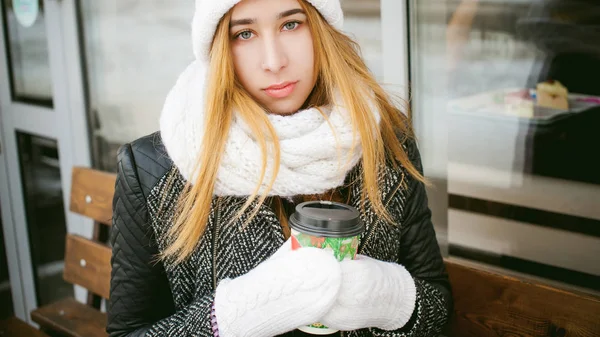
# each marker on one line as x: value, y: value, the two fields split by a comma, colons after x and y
x: 486, y: 303
x: 15, y: 327
x: 87, y: 262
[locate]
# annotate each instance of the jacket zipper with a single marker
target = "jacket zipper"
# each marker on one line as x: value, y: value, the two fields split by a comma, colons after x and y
x: 372, y: 229
x: 215, y: 237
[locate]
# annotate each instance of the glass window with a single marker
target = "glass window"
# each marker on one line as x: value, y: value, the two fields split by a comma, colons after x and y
x: 512, y: 88
x: 27, y: 46
x: 43, y: 196
x: 134, y: 51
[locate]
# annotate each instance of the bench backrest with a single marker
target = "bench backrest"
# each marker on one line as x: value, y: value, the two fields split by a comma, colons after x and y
x: 87, y: 262
x: 489, y: 304
x: 486, y: 303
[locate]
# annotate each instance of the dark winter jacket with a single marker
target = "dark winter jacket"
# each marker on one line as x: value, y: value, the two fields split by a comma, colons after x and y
x: 152, y: 298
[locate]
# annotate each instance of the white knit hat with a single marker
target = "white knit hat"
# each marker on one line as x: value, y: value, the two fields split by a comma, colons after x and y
x: 209, y: 13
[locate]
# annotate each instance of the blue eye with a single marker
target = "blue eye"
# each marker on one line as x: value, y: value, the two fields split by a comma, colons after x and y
x: 291, y: 25
x: 245, y: 35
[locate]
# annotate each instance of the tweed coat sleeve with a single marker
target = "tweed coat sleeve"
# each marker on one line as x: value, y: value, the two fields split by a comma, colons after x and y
x: 141, y: 303
x: 420, y: 255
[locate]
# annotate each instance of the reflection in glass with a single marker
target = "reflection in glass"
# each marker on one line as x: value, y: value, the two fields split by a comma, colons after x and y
x: 363, y: 22
x: 516, y: 85
x: 46, y: 224
x: 499, y: 55
x: 6, y: 306
x: 134, y: 51
x: 28, y: 55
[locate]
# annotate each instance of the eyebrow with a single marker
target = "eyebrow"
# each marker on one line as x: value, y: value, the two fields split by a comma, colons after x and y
x: 290, y: 13
x: 281, y: 15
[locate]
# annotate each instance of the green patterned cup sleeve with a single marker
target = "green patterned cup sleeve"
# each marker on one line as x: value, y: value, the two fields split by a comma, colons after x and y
x: 342, y: 248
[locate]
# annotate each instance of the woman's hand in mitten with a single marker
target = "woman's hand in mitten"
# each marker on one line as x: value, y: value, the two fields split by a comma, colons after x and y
x: 373, y: 294
x: 288, y: 290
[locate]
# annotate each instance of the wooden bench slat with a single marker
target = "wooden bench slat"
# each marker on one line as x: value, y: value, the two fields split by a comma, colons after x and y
x: 87, y: 263
x: 14, y: 327
x: 71, y: 318
x: 489, y: 304
x: 92, y: 194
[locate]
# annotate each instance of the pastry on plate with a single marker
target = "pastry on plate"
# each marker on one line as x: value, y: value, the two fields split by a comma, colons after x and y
x: 552, y: 94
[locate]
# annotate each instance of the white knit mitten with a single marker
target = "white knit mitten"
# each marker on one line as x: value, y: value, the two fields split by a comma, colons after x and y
x: 291, y: 289
x: 373, y: 294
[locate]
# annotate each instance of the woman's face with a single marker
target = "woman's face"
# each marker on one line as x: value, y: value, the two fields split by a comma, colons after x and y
x: 272, y: 49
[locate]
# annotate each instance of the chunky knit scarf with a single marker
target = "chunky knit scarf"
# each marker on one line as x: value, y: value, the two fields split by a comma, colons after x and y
x: 318, y: 148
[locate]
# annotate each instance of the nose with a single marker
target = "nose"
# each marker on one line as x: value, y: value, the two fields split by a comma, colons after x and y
x: 274, y: 55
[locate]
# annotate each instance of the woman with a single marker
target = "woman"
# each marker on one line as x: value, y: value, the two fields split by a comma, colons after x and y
x: 277, y: 108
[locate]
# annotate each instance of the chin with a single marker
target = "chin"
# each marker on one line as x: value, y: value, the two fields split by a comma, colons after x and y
x: 284, y: 108
x: 283, y: 112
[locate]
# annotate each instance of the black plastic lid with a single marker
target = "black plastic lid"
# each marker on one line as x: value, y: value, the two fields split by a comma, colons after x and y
x: 327, y: 219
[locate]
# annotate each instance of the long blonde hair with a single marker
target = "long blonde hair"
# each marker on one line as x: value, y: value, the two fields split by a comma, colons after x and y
x: 338, y: 66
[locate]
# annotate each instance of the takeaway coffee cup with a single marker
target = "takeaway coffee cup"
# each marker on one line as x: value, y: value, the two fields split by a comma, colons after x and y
x: 326, y: 225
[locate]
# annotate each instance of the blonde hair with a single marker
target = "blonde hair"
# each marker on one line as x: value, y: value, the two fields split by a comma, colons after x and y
x: 338, y: 66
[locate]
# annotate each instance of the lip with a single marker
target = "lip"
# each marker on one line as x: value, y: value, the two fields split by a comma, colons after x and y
x: 281, y: 90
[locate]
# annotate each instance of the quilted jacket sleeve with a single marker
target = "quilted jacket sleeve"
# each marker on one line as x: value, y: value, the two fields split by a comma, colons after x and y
x: 141, y: 303
x: 420, y: 255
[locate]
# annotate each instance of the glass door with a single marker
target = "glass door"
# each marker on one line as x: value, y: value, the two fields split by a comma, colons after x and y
x: 43, y: 137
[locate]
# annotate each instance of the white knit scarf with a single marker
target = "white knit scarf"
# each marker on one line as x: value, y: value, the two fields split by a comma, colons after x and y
x: 316, y: 153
